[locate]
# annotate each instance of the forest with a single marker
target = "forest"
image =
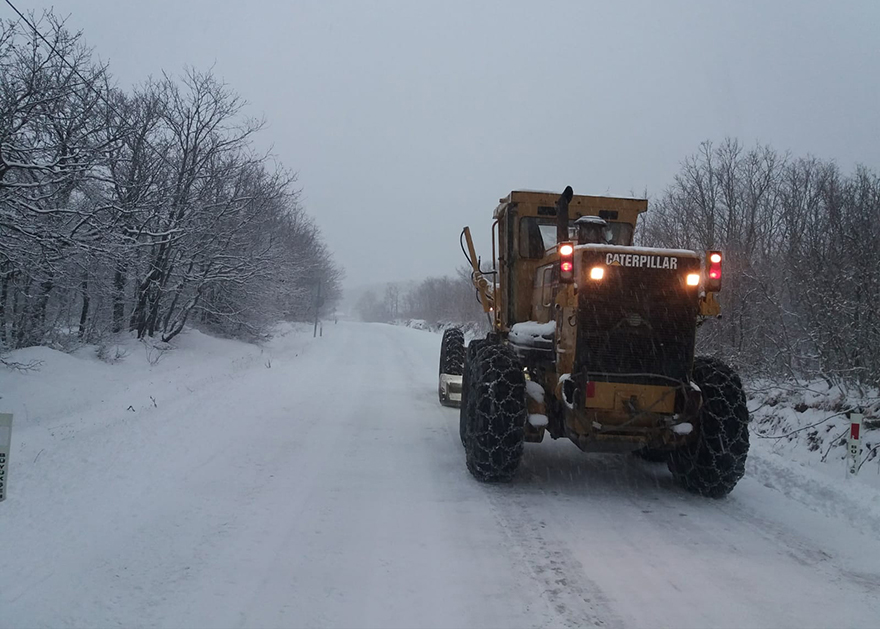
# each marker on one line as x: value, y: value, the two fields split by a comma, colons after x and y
x: 144, y: 210
x: 801, y: 243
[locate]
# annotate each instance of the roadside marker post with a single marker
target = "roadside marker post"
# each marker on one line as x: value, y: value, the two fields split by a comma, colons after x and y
x: 5, y: 440
x: 855, y: 441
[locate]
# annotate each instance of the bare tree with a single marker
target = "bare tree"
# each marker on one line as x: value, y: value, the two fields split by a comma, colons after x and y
x: 149, y: 207
x: 802, y: 263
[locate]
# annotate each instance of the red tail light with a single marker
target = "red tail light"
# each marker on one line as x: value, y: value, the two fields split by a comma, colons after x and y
x: 566, y: 262
x: 591, y: 389
x: 713, y: 271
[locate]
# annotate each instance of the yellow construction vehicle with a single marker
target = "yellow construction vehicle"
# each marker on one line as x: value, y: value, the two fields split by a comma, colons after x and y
x: 592, y: 339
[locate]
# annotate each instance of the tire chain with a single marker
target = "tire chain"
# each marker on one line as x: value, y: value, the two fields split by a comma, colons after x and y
x: 466, y: 387
x: 715, y: 461
x: 496, y: 414
x: 452, y: 352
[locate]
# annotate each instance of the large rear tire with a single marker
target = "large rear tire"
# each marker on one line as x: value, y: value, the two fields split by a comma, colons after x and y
x: 712, y: 464
x: 496, y: 414
x: 451, y: 359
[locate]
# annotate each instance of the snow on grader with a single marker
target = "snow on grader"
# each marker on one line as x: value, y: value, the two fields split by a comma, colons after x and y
x: 592, y: 339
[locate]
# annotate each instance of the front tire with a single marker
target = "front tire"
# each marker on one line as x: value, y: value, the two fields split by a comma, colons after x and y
x: 451, y: 359
x: 713, y: 463
x: 469, y: 358
x: 496, y: 414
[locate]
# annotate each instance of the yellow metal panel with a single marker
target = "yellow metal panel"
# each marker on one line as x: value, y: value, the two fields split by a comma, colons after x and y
x: 648, y: 398
x: 587, y: 204
x: 566, y: 305
x: 709, y: 307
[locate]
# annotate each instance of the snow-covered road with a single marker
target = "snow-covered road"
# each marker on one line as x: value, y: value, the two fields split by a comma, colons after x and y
x: 319, y: 483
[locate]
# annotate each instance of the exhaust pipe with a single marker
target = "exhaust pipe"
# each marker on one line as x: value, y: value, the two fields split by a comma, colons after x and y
x: 562, y: 214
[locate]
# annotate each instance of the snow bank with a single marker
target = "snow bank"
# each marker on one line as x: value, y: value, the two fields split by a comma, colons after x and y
x: 806, y: 424
x: 852, y: 500
x: 471, y: 329
x: 133, y: 376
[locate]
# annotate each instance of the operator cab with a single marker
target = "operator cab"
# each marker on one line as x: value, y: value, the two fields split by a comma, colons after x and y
x: 593, y: 230
x: 528, y: 230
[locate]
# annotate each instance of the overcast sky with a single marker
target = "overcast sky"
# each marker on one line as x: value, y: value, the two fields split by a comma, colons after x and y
x: 407, y: 120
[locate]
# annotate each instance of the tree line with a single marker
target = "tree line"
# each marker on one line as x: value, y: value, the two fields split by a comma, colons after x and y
x: 444, y: 299
x: 143, y: 210
x: 801, y: 270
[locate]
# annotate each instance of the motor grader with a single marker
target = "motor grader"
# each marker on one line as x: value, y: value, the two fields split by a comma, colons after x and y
x: 592, y: 339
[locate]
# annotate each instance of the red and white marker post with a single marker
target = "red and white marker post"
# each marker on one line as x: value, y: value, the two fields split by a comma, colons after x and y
x: 855, y: 442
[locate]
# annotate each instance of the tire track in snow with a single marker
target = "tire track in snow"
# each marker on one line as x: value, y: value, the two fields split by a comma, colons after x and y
x: 289, y: 464
x: 682, y: 559
x: 549, y: 567
x: 809, y: 553
x: 573, y: 599
x: 422, y: 557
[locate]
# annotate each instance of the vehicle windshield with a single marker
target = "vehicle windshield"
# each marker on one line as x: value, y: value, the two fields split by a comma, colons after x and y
x: 538, y: 235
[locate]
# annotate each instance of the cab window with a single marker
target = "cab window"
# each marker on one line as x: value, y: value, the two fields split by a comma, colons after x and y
x: 536, y: 235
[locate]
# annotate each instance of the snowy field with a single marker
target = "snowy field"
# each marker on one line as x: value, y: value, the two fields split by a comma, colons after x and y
x: 318, y: 483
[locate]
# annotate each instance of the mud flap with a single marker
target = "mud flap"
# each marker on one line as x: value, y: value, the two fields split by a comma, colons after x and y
x: 450, y: 389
